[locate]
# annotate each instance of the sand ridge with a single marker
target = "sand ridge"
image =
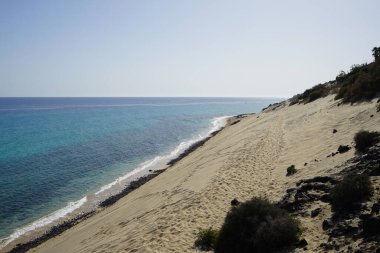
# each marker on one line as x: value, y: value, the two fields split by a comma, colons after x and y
x: 242, y: 161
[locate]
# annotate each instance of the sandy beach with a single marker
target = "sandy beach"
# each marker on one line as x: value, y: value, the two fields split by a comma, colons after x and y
x: 246, y: 159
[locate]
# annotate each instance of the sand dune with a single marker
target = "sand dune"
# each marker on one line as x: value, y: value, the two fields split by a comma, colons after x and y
x: 244, y: 160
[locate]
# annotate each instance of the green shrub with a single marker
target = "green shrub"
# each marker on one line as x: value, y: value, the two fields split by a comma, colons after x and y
x: 361, y: 83
x: 257, y: 226
x: 352, y: 189
x: 291, y: 170
x: 314, y: 93
x: 206, y: 239
x: 365, y: 140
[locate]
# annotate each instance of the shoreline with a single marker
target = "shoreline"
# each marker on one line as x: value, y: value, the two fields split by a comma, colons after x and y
x: 57, y: 229
x: 248, y: 158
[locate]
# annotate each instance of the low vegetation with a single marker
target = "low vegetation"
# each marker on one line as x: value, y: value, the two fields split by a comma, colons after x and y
x: 291, y: 170
x: 312, y: 94
x: 364, y: 140
x: 206, y: 239
x: 257, y: 226
x: 362, y: 82
x: 352, y: 189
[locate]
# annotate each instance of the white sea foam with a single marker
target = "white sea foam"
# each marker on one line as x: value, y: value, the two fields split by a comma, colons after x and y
x: 69, y: 208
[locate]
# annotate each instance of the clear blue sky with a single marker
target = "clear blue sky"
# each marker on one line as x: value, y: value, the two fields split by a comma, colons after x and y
x: 180, y: 48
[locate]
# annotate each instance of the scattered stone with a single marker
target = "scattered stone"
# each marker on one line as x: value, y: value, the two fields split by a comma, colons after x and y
x: 375, y: 208
x: 327, y: 246
x: 371, y: 226
x: 315, y: 212
x: 335, y: 131
x: 304, y: 164
x: 302, y: 243
x: 234, y: 202
x: 371, y: 116
x: 235, y: 122
x: 325, y: 198
x: 132, y: 186
x: 343, y: 148
x: 326, y: 224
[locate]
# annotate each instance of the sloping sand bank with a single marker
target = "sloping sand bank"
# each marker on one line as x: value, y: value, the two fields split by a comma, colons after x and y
x: 244, y: 160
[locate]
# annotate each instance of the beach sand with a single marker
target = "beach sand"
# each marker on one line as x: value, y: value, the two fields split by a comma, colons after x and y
x: 244, y: 160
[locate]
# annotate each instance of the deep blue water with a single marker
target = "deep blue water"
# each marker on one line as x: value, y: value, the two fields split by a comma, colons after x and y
x: 57, y: 150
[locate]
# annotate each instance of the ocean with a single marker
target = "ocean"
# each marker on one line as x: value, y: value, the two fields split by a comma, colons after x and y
x: 59, y: 155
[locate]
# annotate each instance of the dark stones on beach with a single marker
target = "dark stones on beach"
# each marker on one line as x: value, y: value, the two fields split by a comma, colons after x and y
x: 234, y: 202
x: 315, y: 212
x: 304, y: 164
x: 307, y: 190
x: 343, y: 148
x: 375, y: 208
x: 301, y: 243
x: 371, y: 116
x: 335, y: 131
x: 326, y: 224
x: 346, y: 226
x: 132, y: 186
x: 192, y: 148
x: 371, y: 226
x: 235, y: 122
x: 54, y: 231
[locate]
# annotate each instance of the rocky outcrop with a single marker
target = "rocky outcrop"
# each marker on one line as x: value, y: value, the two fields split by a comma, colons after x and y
x: 357, y: 230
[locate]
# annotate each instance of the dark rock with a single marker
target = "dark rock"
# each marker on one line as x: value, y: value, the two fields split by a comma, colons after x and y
x: 335, y: 131
x: 359, y: 206
x: 234, y: 123
x: 132, y: 186
x: 375, y: 208
x: 374, y: 170
x: 371, y: 116
x: 291, y: 190
x: 302, y: 243
x: 343, y: 148
x: 325, y: 198
x: 364, y: 216
x: 319, y: 179
x: 315, y: 186
x: 343, y: 229
x: 315, y: 212
x: 326, y: 224
x: 371, y: 226
x: 327, y: 246
x: 304, y: 164
x: 234, y: 202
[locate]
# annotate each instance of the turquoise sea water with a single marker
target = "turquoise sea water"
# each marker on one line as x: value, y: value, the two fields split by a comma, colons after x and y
x: 56, y: 152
